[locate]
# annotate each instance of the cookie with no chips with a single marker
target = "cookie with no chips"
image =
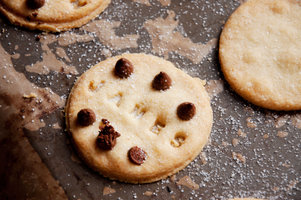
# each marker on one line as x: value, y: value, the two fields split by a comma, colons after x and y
x: 52, y: 15
x: 137, y: 118
x: 260, y: 53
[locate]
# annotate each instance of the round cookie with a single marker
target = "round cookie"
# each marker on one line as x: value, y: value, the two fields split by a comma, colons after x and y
x: 52, y: 15
x: 137, y: 135
x: 260, y: 53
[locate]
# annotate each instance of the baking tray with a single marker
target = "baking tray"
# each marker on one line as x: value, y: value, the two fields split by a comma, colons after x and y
x: 252, y: 152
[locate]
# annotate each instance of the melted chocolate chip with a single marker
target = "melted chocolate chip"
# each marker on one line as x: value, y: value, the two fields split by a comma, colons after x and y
x: 34, y: 14
x: 161, y: 81
x: 137, y: 155
x: 86, y: 117
x: 35, y: 4
x: 123, y: 68
x: 186, y: 111
x: 107, y: 137
x: 105, y: 121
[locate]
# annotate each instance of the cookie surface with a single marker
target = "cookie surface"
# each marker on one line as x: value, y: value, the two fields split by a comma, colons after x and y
x: 260, y: 53
x: 52, y: 15
x: 137, y: 136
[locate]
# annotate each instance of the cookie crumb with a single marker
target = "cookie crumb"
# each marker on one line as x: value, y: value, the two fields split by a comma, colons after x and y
x: 296, y: 120
x: 235, y: 142
x: 250, y: 123
x: 148, y: 193
x: 266, y: 136
x: 203, y: 158
x: 239, y: 156
x: 282, y: 134
x: 241, y: 133
x: 108, y: 190
x: 225, y: 143
x: 281, y: 121
x: 186, y: 181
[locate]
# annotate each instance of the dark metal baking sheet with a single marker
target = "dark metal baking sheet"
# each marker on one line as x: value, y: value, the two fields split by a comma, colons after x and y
x: 252, y: 152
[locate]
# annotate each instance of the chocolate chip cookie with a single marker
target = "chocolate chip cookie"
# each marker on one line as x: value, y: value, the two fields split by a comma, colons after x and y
x: 52, y: 15
x: 143, y: 119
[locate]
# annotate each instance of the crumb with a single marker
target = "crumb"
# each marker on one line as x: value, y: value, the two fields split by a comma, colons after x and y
x: 225, y: 143
x: 282, y: 134
x: 203, y: 158
x: 186, y: 181
x: 250, y: 123
x: 239, y: 156
x: 266, y: 136
x: 281, y: 121
x: 241, y: 133
x: 148, y: 193
x: 108, y: 190
x: 235, y: 142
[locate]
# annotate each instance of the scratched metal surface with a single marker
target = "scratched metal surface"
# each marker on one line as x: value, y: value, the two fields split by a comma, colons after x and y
x: 270, y: 166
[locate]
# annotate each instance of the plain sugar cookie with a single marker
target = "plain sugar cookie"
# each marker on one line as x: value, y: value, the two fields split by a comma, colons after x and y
x: 137, y: 118
x: 52, y: 15
x: 260, y: 53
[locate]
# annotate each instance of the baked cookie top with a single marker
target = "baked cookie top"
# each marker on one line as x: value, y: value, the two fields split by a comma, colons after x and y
x: 52, y: 15
x: 137, y: 118
x: 260, y: 53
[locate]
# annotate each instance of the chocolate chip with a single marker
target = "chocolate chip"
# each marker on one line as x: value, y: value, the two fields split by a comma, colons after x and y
x: 123, y: 68
x: 161, y: 81
x: 107, y: 137
x: 34, y: 14
x: 186, y: 111
x: 86, y: 117
x: 168, y: 189
x: 137, y: 155
x: 38, y: 38
x: 35, y: 4
x: 105, y: 121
